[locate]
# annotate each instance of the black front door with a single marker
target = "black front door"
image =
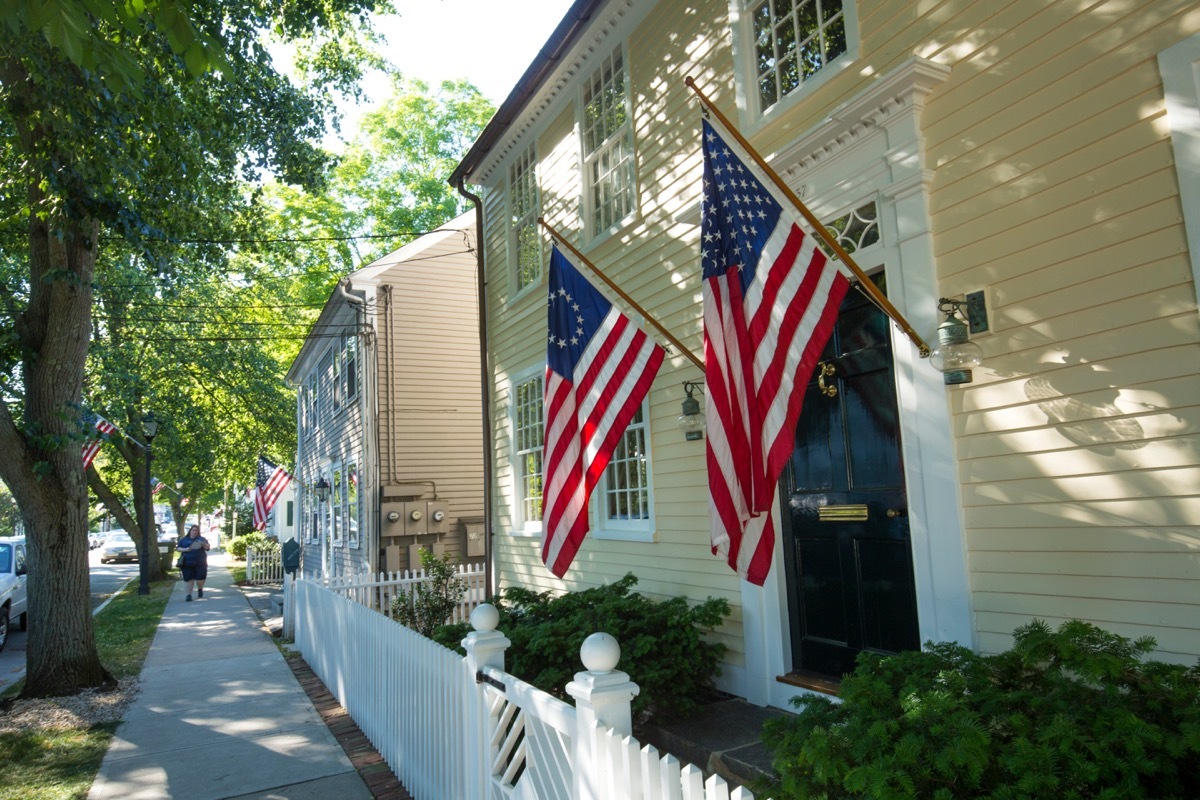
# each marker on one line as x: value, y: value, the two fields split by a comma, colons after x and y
x: 846, y: 534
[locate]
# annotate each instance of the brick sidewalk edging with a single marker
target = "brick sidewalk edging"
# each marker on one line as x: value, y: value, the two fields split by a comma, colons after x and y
x: 375, y: 772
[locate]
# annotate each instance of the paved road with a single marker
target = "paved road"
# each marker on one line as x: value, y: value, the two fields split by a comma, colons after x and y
x: 106, y: 579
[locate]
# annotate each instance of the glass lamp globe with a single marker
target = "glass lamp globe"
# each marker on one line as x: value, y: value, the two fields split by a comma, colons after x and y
x: 691, y: 421
x: 955, y: 355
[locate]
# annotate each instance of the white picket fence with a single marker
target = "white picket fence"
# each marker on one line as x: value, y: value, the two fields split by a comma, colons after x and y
x: 263, y: 566
x: 378, y: 591
x: 453, y: 727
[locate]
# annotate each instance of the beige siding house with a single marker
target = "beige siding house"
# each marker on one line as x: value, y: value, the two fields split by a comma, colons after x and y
x: 1045, y: 155
x: 389, y: 412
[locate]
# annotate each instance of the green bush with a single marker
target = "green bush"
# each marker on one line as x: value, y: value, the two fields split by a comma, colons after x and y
x: 237, y: 545
x: 1075, y: 713
x: 661, y: 645
x: 431, y: 602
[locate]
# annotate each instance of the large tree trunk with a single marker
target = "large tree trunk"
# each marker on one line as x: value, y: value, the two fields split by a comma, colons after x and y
x: 40, y: 458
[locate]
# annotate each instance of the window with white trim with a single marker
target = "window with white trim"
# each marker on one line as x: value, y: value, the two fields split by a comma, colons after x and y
x: 352, y: 510
x: 608, y: 145
x: 335, y: 379
x: 528, y: 433
x: 790, y: 41
x: 336, y: 496
x: 350, y: 366
x: 623, y: 499
x: 310, y: 397
x: 525, y: 243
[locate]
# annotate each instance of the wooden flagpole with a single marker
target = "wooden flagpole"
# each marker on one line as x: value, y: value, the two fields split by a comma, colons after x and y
x: 865, y: 283
x: 558, y: 237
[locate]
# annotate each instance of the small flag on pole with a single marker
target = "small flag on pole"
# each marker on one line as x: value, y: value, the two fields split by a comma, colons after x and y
x: 270, y: 483
x: 599, y: 366
x: 771, y: 299
x: 157, y: 484
x: 92, y: 446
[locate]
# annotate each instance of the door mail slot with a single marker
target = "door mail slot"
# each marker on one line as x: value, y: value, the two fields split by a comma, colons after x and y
x: 850, y: 513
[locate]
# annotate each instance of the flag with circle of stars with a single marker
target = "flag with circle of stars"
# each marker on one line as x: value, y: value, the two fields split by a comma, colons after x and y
x: 771, y: 299
x: 599, y: 367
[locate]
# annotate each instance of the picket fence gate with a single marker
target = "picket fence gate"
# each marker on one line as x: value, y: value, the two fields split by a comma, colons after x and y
x: 461, y: 727
x: 264, y: 566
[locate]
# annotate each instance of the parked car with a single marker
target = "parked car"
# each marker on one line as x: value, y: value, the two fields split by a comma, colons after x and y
x: 118, y: 547
x: 95, y: 539
x: 12, y: 585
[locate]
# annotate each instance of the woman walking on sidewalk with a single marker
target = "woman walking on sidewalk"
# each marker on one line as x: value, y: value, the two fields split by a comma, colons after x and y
x: 193, y: 562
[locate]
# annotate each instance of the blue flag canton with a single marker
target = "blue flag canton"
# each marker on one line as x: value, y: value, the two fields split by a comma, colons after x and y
x: 737, y: 213
x: 576, y: 311
x: 265, y: 470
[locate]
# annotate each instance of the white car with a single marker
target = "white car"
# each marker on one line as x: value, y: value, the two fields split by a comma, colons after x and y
x: 118, y: 547
x: 13, y: 602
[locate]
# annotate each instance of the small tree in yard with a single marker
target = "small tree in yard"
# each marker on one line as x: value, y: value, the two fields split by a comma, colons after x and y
x: 431, y: 602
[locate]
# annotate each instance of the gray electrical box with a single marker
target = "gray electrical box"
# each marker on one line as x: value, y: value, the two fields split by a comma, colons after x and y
x: 416, y: 518
x: 437, y: 516
x: 475, y: 534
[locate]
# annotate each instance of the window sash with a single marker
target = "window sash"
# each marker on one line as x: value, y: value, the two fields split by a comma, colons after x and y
x: 792, y: 41
x: 526, y: 242
x: 352, y: 509
x: 608, y: 144
x: 335, y: 505
x: 625, y: 492
x: 528, y: 433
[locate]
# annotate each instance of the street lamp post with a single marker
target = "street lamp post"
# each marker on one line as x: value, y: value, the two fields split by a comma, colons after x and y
x: 179, y: 493
x: 150, y: 430
x: 322, y: 490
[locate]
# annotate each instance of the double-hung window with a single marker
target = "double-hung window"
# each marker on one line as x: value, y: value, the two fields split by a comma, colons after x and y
x: 525, y: 244
x: 791, y: 41
x: 623, y: 500
x: 350, y: 366
x: 608, y: 145
x: 352, y: 514
x: 335, y: 504
x: 528, y: 432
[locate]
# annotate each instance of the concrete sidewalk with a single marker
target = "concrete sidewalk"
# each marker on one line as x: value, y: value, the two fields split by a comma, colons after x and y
x: 220, y: 714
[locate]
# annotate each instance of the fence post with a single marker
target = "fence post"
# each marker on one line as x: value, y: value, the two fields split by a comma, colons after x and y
x: 602, y: 696
x: 485, y: 647
x: 289, y: 606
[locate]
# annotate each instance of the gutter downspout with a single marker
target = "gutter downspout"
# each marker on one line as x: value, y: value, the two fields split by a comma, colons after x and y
x: 485, y: 384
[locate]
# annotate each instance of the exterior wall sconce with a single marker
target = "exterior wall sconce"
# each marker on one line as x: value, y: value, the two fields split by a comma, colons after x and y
x: 322, y: 490
x: 691, y: 421
x: 955, y: 355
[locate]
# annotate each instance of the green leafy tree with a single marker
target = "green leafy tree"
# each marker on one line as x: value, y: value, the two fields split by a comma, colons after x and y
x: 128, y: 167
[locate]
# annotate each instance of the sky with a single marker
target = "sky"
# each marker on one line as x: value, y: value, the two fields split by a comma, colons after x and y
x: 488, y: 42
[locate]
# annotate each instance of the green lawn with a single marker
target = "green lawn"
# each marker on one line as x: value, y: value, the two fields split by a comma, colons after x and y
x: 61, y: 764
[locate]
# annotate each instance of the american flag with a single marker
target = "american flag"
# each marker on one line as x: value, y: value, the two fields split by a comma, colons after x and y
x: 771, y: 299
x: 92, y: 446
x: 271, y: 482
x: 599, y: 367
x: 157, y: 484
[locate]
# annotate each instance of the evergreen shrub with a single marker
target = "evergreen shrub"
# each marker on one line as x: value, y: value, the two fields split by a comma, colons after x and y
x: 1076, y: 713
x: 662, y: 648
